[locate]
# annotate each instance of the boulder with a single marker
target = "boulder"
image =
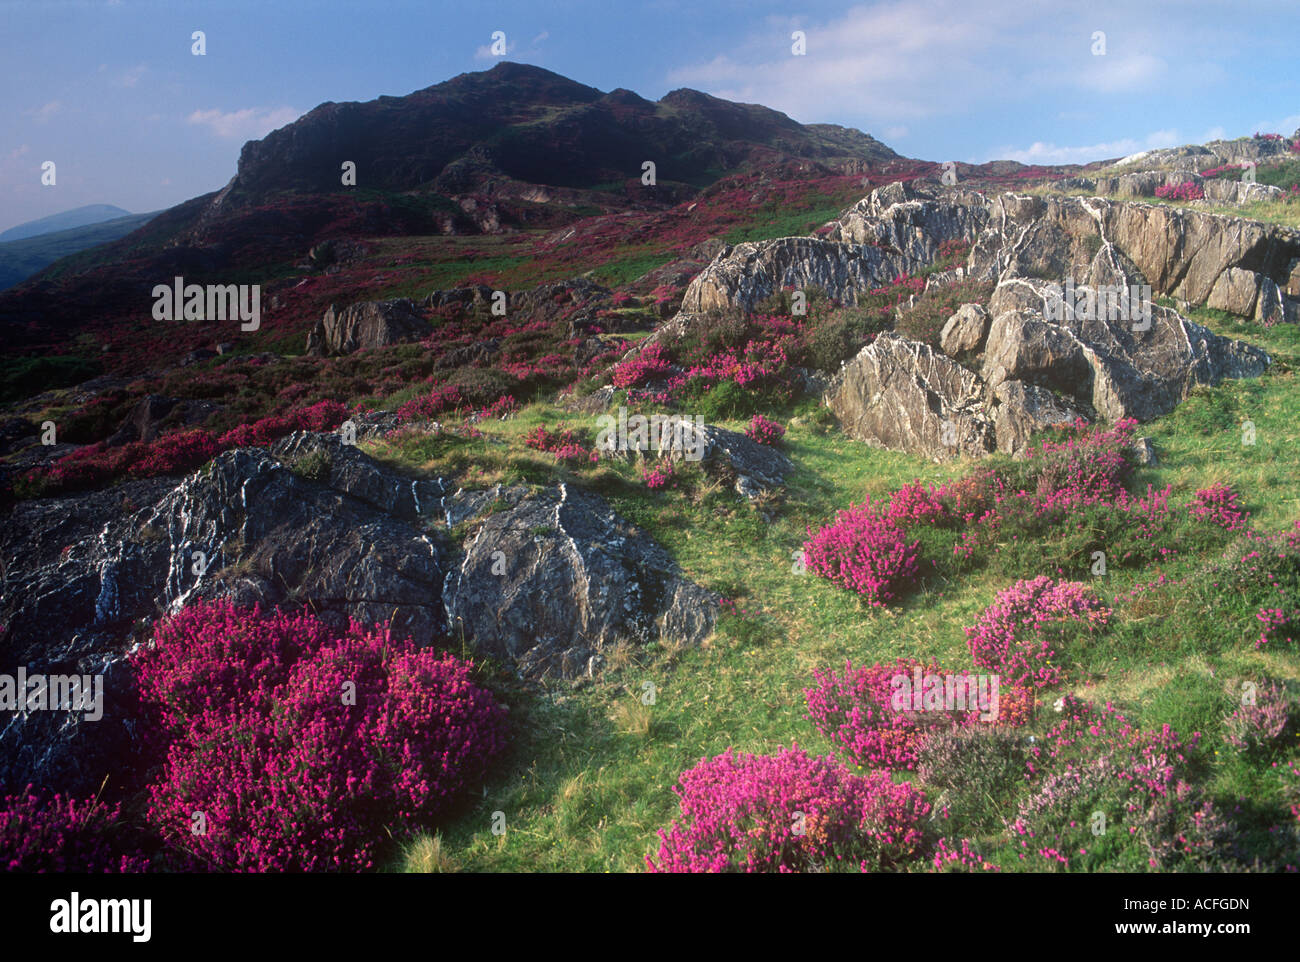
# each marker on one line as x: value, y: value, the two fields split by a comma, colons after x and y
x: 965, y: 331
x: 1116, y: 368
x: 1022, y: 346
x: 1235, y: 292
x: 367, y: 325
x: 1023, y: 409
x: 745, y: 274
x: 552, y: 581
x: 1270, y: 308
x: 902, y: 395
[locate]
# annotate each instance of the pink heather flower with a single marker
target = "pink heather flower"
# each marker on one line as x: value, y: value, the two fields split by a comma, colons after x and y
x: 1219, y: 505
x: 302, y: 747
x: 789, y: 812
x: 764, y: 431
x: 1016, y: 636
x: 864, y: 552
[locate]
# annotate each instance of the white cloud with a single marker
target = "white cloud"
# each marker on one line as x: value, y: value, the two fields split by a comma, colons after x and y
x: 891, y: 62
x: 895, y: 132
x: 247, y: 124
x: 1047, y: 153
x: 896, y: 62
x: 43, y: 113
x: 131, y: 76
x: 1286, y: 126
x: 1113, y: 74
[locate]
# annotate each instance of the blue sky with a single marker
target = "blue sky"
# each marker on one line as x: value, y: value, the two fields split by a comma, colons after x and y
x: 109, y: 89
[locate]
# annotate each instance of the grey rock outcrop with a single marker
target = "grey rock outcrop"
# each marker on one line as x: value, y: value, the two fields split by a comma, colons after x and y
x: 311, y: 522
x: 552, y: 581
x: 965, y: 331
x: 902, y: 395
x: 1117, y: 368
x: 369, y: 324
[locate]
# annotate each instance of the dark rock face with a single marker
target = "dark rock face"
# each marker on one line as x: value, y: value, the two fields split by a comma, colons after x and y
x: 749, y: 467
x: 370, y: 324
x: 311, y: 521
x: 62, y: 749
x: 558, y: 577
x: 153, y: 412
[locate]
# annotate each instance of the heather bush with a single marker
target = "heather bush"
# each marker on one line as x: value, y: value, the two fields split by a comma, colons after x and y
x: 865, y: 552
x: 564, y: 445
x: 1270, y: 724
x: 43, y: 833
x: 856, y: 712
x: 1141, y: 781
x: 789, y: 812
x: 304, y: 749
x: 1220, y: 505
x: 913, y: 504
x: 764, y: 431
x: 177, y: 453
x: 658, y: 475
x: 1188, y: 190
x: 1029, y: 624
x: 649, y: 364
x: 960, y: 856
x: 442, y: 399
x: 969, y: 773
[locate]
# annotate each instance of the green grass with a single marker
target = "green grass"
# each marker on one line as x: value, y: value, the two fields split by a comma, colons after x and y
x: 781, y: 221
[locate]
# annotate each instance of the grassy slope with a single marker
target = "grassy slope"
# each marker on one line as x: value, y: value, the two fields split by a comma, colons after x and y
x: 592, y: 772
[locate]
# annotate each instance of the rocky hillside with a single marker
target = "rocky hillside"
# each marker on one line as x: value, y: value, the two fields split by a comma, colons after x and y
x: 699, y: 499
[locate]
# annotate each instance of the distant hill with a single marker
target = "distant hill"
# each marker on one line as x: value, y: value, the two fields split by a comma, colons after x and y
x: 20, y: 259
x: 514, y: 148
x: 79, y: 217
x: 526, y: 124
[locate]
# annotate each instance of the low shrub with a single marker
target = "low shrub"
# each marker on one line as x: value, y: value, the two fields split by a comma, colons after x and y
x: 789, y: 812
x: 302, y: 749
x: 1020, y: 634
x: 865, y: 552
x: 44, y: 833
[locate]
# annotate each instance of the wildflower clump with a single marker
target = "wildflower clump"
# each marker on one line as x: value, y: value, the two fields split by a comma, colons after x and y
x: 865, y: 552
x: 1019, y: 634
x: 764, y: 431
x: 1270, y: 720
x: 789, y: 812
x: 1187, y: 190
x: 300, y: 748
x: 40, y: 833
x: 1220, y: 505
